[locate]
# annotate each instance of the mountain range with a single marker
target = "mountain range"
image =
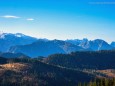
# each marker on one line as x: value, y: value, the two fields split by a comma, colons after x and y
x: 95, y: 45
x: 45, y: 48
x: 57, y: 62
x: 8, y: 39
x: 34, y: 47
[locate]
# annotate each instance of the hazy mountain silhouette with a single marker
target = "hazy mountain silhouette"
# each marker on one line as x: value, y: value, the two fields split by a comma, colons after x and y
x: 45, y: 48
x: 8, y: 39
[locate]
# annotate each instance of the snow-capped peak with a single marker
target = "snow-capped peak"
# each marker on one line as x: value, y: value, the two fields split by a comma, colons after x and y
x: 19, y: 35
x: 3, y: 35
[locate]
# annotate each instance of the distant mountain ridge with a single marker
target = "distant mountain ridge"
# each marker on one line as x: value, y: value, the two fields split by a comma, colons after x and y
x: 95, y: 45
x: 33, y: 47
x: 9, y: 39
x: 45, y: 48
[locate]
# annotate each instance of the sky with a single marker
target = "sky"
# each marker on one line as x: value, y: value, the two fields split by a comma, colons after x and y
x: 59, y: 19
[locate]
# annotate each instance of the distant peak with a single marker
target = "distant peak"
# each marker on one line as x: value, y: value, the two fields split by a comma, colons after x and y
x: 19, y: 34
x: 99, y: 40
x: 3, y: 35
x: 85, y: 40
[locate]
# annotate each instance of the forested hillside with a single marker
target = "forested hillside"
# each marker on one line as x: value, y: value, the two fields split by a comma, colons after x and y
x: 87, y: 60
x: 72, y: 69
x: 100, y: 82
x: 31, y: 72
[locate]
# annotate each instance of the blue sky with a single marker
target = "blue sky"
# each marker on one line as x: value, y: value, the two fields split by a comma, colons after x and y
x: 59, y: 19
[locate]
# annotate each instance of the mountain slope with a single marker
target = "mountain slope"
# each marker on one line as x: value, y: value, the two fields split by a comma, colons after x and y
x: 8, y: 39
x: 94, y: 45
x: 87, y: 60
x: 113, y: 44
x: 13, y: 55
x: 74, y: 41
x: 97, y: 44
x: 45, y: 48
x: 35, y: 73
x: 33, y: 47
